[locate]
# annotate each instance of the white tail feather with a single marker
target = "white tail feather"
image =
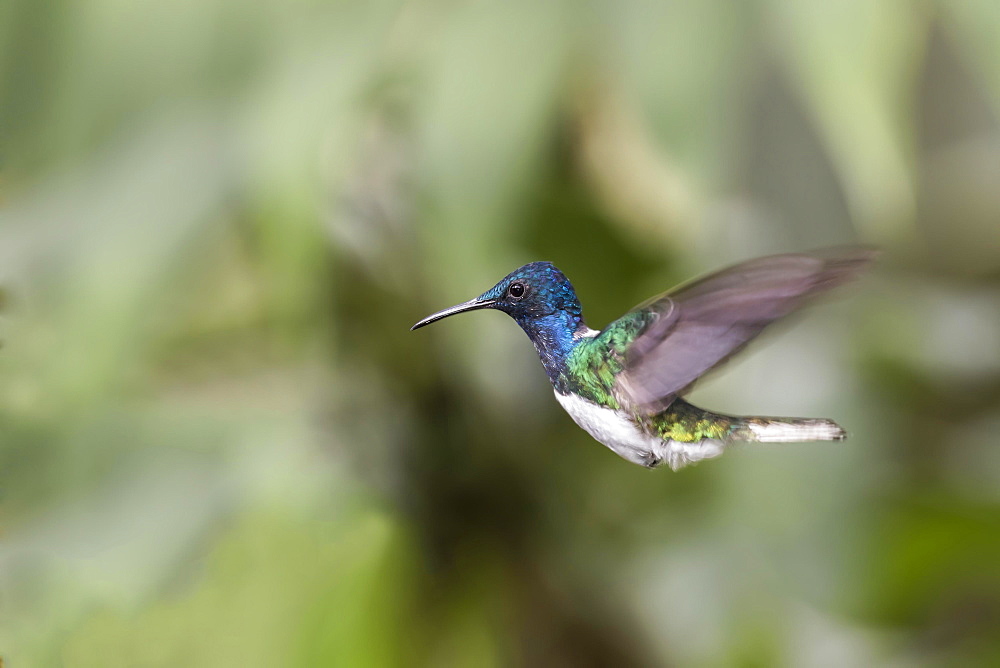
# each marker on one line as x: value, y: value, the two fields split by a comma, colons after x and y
x: 796, y: 431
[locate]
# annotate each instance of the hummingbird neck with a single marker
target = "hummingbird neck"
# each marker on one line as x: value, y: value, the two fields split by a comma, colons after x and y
x: 555, y: 336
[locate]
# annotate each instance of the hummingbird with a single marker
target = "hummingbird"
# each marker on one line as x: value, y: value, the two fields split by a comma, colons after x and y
x: 625, y: 384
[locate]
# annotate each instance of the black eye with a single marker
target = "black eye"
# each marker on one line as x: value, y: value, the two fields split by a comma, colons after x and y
x: 516, y: 290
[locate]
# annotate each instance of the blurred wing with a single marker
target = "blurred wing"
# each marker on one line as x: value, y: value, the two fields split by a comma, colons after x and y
x: 700, y: 325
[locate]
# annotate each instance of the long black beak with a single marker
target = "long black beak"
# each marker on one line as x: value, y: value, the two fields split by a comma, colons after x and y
x: 470, y: 305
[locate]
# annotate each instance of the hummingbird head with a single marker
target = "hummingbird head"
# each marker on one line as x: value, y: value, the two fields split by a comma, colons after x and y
x: 531, y: 294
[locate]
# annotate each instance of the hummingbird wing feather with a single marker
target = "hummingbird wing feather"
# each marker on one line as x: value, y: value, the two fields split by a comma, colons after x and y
x: 699, y: 325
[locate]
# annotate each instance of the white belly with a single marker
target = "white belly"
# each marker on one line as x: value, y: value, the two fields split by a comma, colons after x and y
x: 615, y: 430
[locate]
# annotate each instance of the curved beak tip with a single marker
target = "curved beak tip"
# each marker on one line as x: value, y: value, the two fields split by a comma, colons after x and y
x: 460, y: 308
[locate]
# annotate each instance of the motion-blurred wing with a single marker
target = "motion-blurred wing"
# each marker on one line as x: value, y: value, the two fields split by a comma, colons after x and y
x: 700, y: 324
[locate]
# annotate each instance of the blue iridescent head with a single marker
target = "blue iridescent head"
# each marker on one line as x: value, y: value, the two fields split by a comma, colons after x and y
x: 537, y: 295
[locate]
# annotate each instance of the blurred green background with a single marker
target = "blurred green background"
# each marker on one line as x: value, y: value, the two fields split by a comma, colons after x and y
x: 221, y: 446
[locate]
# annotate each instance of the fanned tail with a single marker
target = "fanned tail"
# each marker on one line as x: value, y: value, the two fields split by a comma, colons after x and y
x: 786, y: 430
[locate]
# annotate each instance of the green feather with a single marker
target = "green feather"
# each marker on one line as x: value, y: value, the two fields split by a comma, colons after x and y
x: 593, y: 364
x: 689, y: 424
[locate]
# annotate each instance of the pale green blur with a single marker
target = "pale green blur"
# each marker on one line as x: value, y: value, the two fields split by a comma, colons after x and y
x: 221, y: 446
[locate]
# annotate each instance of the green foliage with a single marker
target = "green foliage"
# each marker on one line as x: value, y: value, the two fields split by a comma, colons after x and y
x: 221, y: 446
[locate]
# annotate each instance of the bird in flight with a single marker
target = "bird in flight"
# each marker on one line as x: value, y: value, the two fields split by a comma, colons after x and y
x: 624, y: 385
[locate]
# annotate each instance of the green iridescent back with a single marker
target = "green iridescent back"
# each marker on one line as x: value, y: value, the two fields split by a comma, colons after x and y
x: 592, y: 365
x: 591, y: 368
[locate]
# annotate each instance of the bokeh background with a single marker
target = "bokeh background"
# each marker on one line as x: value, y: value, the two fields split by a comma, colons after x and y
x: 221, y: 446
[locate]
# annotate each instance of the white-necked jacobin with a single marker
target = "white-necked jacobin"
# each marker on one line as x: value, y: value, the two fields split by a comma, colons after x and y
x: 624, y: 384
